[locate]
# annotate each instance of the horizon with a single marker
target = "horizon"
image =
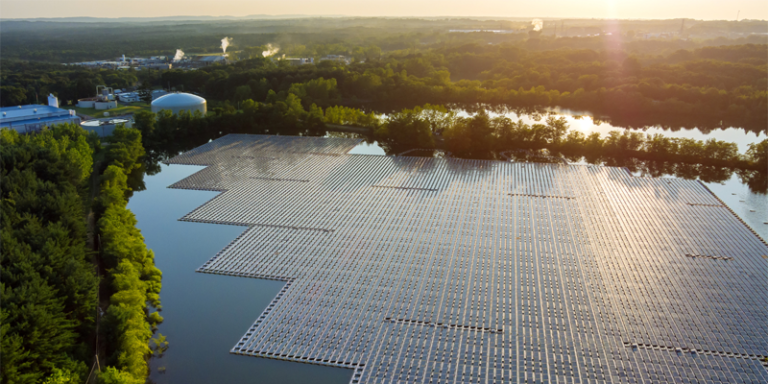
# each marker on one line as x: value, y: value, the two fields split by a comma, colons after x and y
x: 589, y: 9
x: 331, y: 16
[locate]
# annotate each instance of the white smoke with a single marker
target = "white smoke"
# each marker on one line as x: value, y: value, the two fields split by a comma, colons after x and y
x: 179, y: 55
x: 538, y: 24
x: 225, y: 43
x: 270, y: 51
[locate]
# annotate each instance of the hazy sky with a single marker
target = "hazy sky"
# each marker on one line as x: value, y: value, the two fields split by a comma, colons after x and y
x: 657, y: 9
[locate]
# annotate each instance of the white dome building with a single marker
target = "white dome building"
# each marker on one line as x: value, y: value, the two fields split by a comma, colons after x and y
x: 177, y: 102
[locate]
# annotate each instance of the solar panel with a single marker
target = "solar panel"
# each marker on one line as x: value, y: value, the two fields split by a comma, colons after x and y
x: 419, y: 269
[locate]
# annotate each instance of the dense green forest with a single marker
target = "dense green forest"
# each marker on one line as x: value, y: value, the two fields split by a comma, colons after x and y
x: 50, y: 274
x: 48, y: 281
x: 23, y: 82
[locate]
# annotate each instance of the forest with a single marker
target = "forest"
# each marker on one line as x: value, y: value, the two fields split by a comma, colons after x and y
x: 55, y: 265
x: 706, y: 88
x: 65, y: 41
x: 49, y: 285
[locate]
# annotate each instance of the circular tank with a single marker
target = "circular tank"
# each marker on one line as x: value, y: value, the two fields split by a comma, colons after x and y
x: 105, y: 127
x: 177, y: 102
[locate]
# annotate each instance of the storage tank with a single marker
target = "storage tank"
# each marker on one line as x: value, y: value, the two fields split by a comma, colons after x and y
x: 179, y: 101
x: 105, y: 127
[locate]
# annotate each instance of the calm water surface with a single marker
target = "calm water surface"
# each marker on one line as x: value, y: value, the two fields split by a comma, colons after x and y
x: 587, y: 124
x: 205, y: 315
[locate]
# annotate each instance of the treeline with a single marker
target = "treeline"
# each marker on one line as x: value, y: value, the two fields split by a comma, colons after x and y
x: 30, y: 83
x: 133, y: 279
x: 49, y: 284
x: 707, y: 88
x: 636, y: 84
x: 483, y: 136
x: 429, y: 126
x: 70, y: 40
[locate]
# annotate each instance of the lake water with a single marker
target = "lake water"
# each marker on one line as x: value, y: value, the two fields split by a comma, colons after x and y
x: 205, y: 315
x: 587, y: 124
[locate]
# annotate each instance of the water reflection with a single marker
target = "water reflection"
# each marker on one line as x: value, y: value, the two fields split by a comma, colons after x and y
x: 586, y: 123
x: 687, y: 126
x: 205, y: 315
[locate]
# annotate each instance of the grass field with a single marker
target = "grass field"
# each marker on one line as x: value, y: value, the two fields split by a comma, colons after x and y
x: 122, y: 109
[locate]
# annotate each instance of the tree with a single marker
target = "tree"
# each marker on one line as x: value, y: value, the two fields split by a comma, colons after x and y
x: 758, y: 153
x: 242, y: 92
x: 145, y: 122
x: 10, y: 95
x: 556, y: 129
x: 405, y: 130
x: 145, y: 92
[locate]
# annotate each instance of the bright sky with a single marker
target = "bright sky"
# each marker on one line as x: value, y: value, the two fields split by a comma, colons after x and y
x: 625, y: 9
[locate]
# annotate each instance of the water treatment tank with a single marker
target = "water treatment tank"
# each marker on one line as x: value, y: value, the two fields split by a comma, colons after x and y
x: 177, y: 102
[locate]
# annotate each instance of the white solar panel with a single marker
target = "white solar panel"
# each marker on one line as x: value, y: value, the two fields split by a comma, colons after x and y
x: 417, y: 269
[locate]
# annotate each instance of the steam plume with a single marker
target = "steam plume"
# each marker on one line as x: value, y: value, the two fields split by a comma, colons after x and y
x: 270, y: 51
x: 225, y: 43
x: 179, y: 55
x: 538, y: 24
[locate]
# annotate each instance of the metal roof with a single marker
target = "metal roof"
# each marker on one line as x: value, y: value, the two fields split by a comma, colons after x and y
x: 28, y: 111
x: 33, y: 114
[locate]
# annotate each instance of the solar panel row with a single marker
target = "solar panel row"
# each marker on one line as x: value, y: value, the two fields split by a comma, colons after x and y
x: 448, y: 270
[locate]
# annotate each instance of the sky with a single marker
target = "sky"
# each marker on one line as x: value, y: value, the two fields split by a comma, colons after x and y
x: 623, y: 9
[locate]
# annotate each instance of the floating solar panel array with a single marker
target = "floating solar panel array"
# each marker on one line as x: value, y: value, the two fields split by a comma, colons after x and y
x: 439, y: 270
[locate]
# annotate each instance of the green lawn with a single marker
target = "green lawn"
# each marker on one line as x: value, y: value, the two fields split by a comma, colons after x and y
x: 122, y: 109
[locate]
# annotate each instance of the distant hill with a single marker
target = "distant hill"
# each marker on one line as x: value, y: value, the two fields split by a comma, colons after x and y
x: 84, y: 19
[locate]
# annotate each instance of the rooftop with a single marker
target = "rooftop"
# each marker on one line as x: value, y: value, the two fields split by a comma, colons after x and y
x: 32, y: 113
x: 28, y: 111
x: 417, y: 269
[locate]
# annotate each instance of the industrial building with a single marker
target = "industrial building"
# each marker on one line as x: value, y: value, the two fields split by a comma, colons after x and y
x: 192, y: 62
x: 436, y: 270
x: 104, y: 99
x: 179, y: 101
x: 33, y: 118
